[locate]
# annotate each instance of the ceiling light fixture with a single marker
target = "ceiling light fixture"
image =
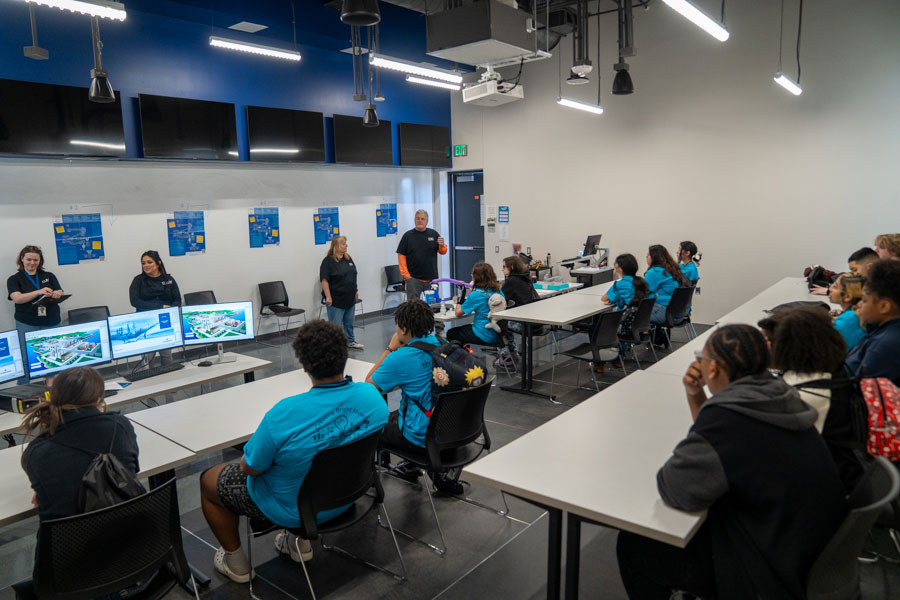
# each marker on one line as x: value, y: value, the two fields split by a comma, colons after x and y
x: 576, y: 79
x: 34, y: 51
x: 98, y: 145
x: 431, y: 82
x: 596, y: 109
x: 220, y: 42
x: 370, y: 118
x: 780, y: 78
x: 591, y: 108
x: 407, y: 66
x: 104, y: 9
x: 360, y: 12
x: 275, y: 150
x: 622, y: 84
x: 581, y: 63
x: 698, y: 18
x: 101, y: 90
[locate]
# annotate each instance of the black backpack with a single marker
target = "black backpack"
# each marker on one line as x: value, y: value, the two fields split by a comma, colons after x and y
x: 454, y: 367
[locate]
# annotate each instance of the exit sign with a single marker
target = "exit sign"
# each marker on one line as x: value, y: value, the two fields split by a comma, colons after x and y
x: 460, y: 150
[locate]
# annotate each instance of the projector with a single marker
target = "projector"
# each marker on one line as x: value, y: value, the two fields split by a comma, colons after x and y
x: 492, y: 93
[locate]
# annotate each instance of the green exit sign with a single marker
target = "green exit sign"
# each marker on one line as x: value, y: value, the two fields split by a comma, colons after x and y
x: 460, y: 150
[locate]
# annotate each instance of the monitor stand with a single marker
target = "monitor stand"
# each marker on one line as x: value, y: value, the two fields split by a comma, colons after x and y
x: 221, y: 358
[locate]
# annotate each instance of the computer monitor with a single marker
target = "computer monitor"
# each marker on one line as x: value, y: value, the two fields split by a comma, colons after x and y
x: 56, y: 349
x: 11, y: 365
x: 217, y: 323
x: 591, y: 245
x: 141, y: 332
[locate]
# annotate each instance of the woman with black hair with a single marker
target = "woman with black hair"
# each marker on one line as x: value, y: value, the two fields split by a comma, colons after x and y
x: 755, y: 462
x: 153, y: 289
x: 663, y: 277
x: 688, y: 258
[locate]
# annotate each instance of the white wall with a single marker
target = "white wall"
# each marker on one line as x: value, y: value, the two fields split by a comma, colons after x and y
x: 134, y: 198
x: 708, y: 148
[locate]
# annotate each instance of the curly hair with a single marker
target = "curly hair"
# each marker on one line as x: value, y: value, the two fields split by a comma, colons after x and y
x: 889, y: 242
x: 321, y: 347
x: 415, y: 317
x: 72, y: 389
x: 740, y: 349
x: 804, y: 340
x: 883, y: 279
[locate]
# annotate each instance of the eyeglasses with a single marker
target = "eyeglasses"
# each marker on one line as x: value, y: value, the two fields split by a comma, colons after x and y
x: 698, y: 354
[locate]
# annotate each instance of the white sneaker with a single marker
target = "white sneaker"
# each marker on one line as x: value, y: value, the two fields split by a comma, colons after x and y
x: 287, y: 544
x: 355, y: 345
x: 223, y: 568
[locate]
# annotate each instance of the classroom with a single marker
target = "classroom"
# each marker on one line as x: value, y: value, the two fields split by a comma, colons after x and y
x: 707, y: 148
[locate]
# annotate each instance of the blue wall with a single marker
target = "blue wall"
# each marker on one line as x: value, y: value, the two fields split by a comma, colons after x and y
x: 162, y: 48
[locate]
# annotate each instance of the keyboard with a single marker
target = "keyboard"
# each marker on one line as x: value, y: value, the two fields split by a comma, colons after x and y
x: 28, y: 390
x: 153, y: 371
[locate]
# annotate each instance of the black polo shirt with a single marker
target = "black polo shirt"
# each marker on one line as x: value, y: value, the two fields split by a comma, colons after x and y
x: 420, y: 249
x: 341, y: 278
x: 28, y: 313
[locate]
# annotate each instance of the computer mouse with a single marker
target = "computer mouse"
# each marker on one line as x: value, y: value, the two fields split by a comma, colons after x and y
x: 204, y: 363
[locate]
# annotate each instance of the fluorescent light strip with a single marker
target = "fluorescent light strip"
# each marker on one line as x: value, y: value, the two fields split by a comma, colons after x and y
x: 220, y: 42
x: 276, y: 150
x: 96, y: 8
x: 433, y: 83
x: 406, y: 66
x: 788, y: 84
x: 591, y: 108
x: 695, y: 16
x: 232, y: 153
x: 98, y: 144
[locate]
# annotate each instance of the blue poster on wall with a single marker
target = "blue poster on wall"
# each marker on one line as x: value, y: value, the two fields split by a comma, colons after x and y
x: 326, y: 225
x: 386, y: 219
x: 187, y: 234
x: 78, y: 238
x: 264, y: 231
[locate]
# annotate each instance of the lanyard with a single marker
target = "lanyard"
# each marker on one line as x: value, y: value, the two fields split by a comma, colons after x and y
x: 36, y: 281
x: 347, y: 380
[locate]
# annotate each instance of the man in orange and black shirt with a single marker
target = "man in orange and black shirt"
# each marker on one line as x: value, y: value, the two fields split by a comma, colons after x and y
x: 417, y: 256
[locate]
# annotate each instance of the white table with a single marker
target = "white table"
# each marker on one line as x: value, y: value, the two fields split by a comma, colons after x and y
x: 596, y: 290
x: 157, y: 454
x: 598, y: 461
x: 789, y: 289
x: 221, y: 419
x: 542, y: 293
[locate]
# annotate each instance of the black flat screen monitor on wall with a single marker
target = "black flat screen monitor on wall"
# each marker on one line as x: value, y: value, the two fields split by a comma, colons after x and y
x: 282, y: 135
x: 354, y: 143
x: 182, y: 128
x: 424, y: 145
x: 42, y: 118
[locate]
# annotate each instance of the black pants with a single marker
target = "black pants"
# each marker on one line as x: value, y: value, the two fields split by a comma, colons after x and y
x: 392, y: 438
x: 652, y: 569
x: 464, y: 335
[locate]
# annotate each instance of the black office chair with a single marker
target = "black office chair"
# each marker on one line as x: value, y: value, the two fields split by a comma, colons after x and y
x: 835, y: 573
x: 605, y: 337
x: 338, y: 476
x: 107, y: 550
x: 195, y: 298
x: 274, y: 298
x: 678, y: 314
x: 451, y: 442
x: 640, y: 329
x: 395, y: 284
x: 88, y: 314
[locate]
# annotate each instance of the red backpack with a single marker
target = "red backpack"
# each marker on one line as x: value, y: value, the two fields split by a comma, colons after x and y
x: 882, y: 399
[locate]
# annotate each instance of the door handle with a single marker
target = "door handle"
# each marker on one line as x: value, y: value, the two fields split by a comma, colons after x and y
x: 465, y: 248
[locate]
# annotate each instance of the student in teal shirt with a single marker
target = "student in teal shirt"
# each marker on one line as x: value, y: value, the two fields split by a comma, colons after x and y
x: 278, y: 456
x: 689, y: 257
x: 847, y: 291
x: 621, y: 292
x: 663, y: 277
x: 484, y: 285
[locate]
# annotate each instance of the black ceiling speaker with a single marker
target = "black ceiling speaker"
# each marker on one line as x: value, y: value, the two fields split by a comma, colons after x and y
x: 622, y: 84
x: 360, y: 12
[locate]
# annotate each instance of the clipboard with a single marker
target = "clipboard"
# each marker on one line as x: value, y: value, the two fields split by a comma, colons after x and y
x: 47, y: 300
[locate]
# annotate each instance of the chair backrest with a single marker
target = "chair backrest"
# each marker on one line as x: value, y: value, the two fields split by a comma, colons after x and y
x: 195, y: 298
x: 104, y: 551
x: 606, y: 334
x: 456, y: 420
x: 272, y: 292
x: 641, y: 323
x: 88, y: 314
x: 835, y: 573
x: 679, y: 306
x: 392, y: 273
x: 338, y: 476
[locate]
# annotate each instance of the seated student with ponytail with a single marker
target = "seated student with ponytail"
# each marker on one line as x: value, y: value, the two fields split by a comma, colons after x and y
x: 755, y: 462
x: 847, y: 291
x: 689, y: 257
x: 621, y: 292
x: 663, y: 278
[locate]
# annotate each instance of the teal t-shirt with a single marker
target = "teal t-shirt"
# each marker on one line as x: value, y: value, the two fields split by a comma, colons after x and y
x: 690, y: 271
x: 847, y: 324
x: 410, y: 370
x: 295, y: 430
x: 661, y: 285
x: 621, y: 292
x: 478, y: 302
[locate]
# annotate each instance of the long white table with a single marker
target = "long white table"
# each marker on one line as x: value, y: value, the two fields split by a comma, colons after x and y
x: 596, y: 290
x: 789, y: 289
x: 156, y: 455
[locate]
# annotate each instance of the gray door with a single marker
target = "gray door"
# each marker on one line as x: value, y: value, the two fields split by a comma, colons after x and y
x: 466, y: 227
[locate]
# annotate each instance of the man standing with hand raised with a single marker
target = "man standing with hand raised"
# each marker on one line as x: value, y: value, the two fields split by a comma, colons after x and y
x: 417, y: 255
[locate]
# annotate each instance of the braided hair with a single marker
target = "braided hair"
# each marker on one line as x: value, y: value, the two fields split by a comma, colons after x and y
x: 72, y: 390
x: 740, y: 349
x: 415, y: 317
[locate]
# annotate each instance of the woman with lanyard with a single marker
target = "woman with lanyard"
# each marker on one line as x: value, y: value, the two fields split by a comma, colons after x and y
x: 28, y: 285
x: 339, y: 292
x: 153, y: 289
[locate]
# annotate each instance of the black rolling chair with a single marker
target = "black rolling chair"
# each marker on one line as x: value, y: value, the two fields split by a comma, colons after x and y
x: 640, y: 329
x: 338, y: 476
x: 195, y: 298
x: 835, y: 573
x: 88, y: 314
x: 678, y: 313
x: 274, y: 303
x: 451, y: 442
x: 107, y: 550
x: 395, y: 284
x: 605, y: 337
